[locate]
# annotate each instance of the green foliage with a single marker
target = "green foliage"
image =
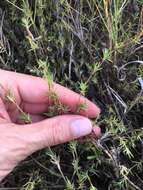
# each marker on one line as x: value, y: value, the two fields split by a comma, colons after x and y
x: 9, y: 95
x: 10, y: 98
x: 83, y: 45
x: 83, y: 88
x: 44, y: 67
x: 34, y: 180
x: 25, y: 117
x: 81, y: 107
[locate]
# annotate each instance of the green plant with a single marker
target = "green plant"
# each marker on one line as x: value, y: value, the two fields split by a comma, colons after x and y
x: 86, y: 46
x: 10, y: 98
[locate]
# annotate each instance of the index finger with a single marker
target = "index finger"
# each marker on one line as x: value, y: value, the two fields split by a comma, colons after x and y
x: 34, y: 90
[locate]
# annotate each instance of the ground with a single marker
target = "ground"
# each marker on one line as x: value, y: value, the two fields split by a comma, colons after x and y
x: 95, y: 48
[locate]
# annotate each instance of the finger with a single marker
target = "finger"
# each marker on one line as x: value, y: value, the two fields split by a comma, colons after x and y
x: 34, y: 108
x: 57, y: 130
x: 35, y: 90
x: 96, y: 131
x: 4, y: 117
x: 37, y: 118
x: 38, y: 93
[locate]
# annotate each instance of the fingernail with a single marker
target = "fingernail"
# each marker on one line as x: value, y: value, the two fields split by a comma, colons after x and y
x: 81, y: 127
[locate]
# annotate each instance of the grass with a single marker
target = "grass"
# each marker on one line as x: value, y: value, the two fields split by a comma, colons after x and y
x: 95, y: 48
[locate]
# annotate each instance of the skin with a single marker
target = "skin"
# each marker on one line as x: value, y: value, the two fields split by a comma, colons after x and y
x: 19, y: 140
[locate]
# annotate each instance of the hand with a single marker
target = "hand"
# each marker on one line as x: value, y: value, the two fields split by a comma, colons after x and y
x: 17, y: 141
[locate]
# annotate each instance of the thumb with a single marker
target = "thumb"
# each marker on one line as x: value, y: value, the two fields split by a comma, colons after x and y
x: 56, y: 130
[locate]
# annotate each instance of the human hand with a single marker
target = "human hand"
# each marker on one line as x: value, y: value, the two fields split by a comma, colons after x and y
x: 18, y: 140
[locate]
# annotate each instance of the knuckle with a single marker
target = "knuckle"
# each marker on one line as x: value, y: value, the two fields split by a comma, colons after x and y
x: 59, y: 133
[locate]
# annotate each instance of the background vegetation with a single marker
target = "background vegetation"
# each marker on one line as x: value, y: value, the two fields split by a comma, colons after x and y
x: 94, y: 47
